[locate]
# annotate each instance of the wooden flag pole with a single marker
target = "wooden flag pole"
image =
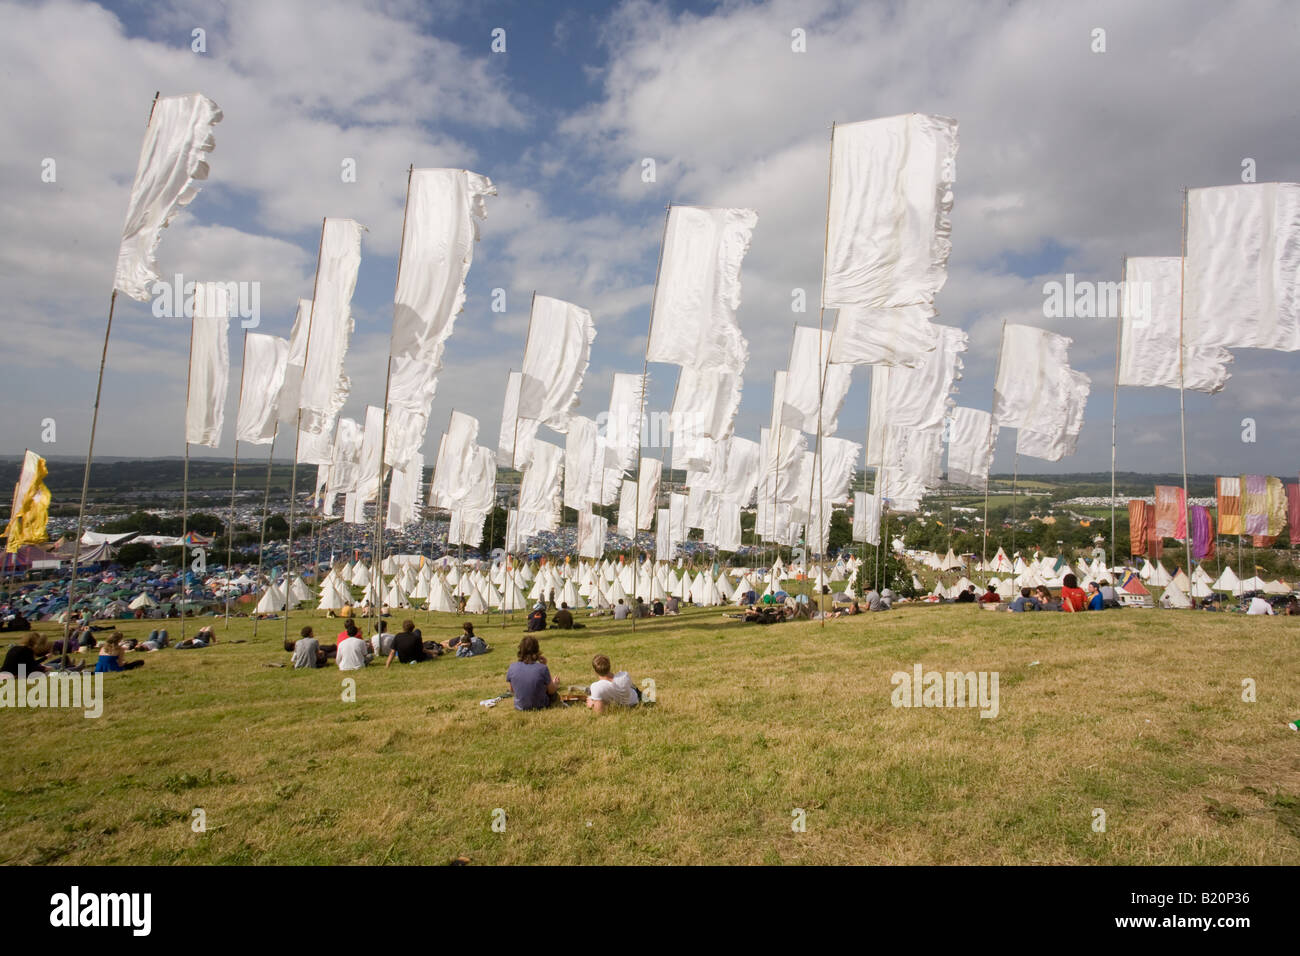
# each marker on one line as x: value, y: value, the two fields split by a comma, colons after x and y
x: 514, y: 454
x: 90, y: 448
x: 234, y: 471
x: 645, y: 369
x: 266, y: 502
x: 1114, y: 405
x: 996, y: 372
x: 383, y: 434
x: 1182, y: 414
x: 297, y: 435
x: 821, y: 391
x: 185, y: 480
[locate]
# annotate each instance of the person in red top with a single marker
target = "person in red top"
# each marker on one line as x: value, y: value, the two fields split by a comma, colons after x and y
x: 1072, y: 596
x: 990, y: 596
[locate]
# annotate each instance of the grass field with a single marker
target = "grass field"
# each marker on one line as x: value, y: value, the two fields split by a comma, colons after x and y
x: 1136, y: 713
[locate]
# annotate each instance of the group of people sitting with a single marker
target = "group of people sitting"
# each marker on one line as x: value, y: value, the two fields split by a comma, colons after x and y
x: 35, y: 652
x: 351, y: 651
x: 1099, y: 596
x: 534, y: 688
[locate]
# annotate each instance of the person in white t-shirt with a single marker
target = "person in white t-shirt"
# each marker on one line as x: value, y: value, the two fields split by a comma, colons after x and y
x: 610, y: 690
x: 353, y: 653
x: 1259, y: 606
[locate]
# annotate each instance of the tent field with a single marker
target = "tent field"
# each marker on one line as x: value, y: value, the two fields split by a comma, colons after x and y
x: 755, y: 731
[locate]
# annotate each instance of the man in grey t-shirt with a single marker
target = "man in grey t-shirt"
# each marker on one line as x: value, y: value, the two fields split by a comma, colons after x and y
x: 306, y: 650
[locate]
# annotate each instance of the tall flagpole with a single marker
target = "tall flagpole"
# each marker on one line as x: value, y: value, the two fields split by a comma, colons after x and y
x: 234, y: 471
x: 1114, y: 407
x: 514, y: 453
x: 383, y: 435
x: 645, y: 369
x: 297, y: 434
x: 987, y: 474
x: 266, y: 502
x: 821, y: 387
x: 185, y: 481
x: 1182, y: 415
x: 90, y: 448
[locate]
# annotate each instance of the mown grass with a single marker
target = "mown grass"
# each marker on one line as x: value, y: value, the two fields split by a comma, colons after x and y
x: 1137, y: 713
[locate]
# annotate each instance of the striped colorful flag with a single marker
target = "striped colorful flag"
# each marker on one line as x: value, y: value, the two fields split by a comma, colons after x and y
x: 1228, y: 491
x: 1254, y: 504
x: 1293, y: 512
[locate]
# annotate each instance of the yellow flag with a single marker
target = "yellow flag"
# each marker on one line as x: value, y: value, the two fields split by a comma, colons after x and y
x: 31, y: 506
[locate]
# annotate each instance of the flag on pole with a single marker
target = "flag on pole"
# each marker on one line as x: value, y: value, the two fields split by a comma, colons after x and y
x: 555, y: 361
x: 888, y: 221
x: 694, y: 322
x: 443, y: 207
x: 1038, y: 393
x: 1149, y: 333
x: 30, y: 511
x: 173, y: 160
x: 1242, y: 286
x: 1228, y: 494
x: 324, y: 385
x: 971, y: 438
x: 261, y: 379
x: 205, y: 406
x: 805, y: 393
x: 1170, y: 512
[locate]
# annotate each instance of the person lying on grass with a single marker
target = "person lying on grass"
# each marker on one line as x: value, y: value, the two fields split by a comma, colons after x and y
x: 610, y: 691
x: 530, y: 679
x: 203, y: 638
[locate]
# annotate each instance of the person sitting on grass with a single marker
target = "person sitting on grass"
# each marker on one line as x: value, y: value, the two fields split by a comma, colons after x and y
x: 1045, y: 600
x: 672, y: 605
x: 610, y: 691
x: 564, y: 619
x: 352, y: 653
x: 469, y: 644
x: 1026, y: 602
x: 530, y: 679
x: 1095, y: 601
x: 306, y: 650
x: 657, y: 608
x: 24, y: 655
x: 1109, y: 596
x: 408, y: 646
x: 111, y: 654
x: 1072, y: 596
x: 382, y: 642
x: 967, y: 596
x: 991, y: 596
x: 621, y: 610
x: 537, y: 618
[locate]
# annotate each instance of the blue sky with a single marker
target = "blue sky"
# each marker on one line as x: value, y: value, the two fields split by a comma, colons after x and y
x: 1068, y: 160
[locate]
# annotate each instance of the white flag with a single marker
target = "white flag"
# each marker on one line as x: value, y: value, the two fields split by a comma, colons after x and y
x: 804, y: 390
x: 583, y: 460
x: 442, y: 212
x: 324, y: 386
x: 1149, y: 334
x: 1037, y: 392
x: 651, y: 471
x: 623, y: 428
x: 261, y: 380
x: 555, y: 360
x: 591, y: 534
x: 971, y: 438
x: 539, y: 492
x: 888, y: 218
x: 173, y: 160
x: 866, y: 518
x: 1242, y: 287
x: 515, y: 440
x: 694, y: 322
x: 900, y: 336
x: 454, y: 468
x: 291, y: 390
x: 205, y: 406
x: 369, y: 478
x: 404, y: 493
x: 705, y: 404
x: 915, y: 398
